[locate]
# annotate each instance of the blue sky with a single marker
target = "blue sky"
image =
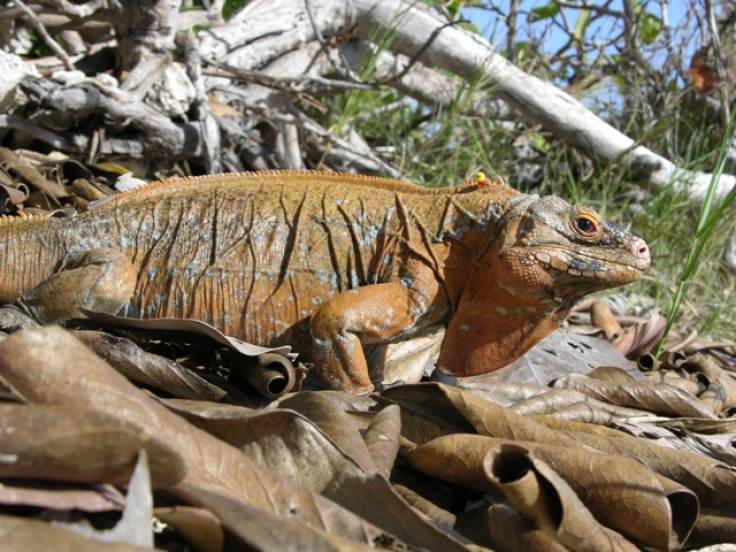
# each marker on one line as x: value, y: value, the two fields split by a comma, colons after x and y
x: 494, y: 30
x: 606, y: 95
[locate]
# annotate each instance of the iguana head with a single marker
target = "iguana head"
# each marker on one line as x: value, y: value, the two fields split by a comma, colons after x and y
x: 545, y: 255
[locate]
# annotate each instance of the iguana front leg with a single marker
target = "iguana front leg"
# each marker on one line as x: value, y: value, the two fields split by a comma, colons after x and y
x: 366, y: 315
x: 101, y: 279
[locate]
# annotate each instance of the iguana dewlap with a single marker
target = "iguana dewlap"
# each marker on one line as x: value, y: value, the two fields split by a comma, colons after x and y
x: 338, y: 260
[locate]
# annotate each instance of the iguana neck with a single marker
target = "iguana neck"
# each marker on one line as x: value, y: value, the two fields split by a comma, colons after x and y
x: 479, y: 340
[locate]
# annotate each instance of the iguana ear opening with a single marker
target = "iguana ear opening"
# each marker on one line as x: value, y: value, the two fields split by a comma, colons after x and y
x: 483, y: 336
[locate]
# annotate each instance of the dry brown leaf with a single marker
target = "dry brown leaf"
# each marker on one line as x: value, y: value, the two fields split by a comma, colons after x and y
x: 553, y: 401
x: 714, y: 529
x: 13, y: 195
x: 642, y: 337
x: 601, y: 316
x: 292, y: 445
x: 61, y: 496
x: 382, y: 438
x: 546, y: 499
x: 703, y: 368
x: 258, y: 529
x: 269, y: 369
x: 27, y: 535
x: 659, y: 398
x: 51, y: 366
x: 68, y: 443
x: 27, y: 171
x: 509, y: 531
x: 620, y: 492
x: 329, y: 417
x: 149, y: 369
x: 712, y: 481
x: 198, y: 526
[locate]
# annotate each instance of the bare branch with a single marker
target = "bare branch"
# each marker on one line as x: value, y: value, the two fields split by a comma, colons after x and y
x: 41, y: 29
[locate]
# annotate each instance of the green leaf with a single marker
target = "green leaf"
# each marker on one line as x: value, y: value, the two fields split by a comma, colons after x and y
x: 539, y: 142
x: 650, y: 26
x: 544, y: 12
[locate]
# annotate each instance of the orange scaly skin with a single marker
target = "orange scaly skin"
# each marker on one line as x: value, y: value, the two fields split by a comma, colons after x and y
x: 327, y: 263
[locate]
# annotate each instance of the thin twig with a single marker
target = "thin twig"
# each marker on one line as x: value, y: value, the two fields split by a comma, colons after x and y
x: 419, y: 53
x: 50, y: 42
x: 342, y: 69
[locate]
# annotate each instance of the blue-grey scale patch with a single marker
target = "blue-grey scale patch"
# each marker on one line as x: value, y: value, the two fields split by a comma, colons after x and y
x: 371, y: 235
x: 325, y: 277
x: 353, y: 280
x: 584, y: 264
x: 407, y: 282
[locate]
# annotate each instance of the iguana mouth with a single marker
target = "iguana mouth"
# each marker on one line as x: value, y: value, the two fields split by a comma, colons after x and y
x: 593, y: 264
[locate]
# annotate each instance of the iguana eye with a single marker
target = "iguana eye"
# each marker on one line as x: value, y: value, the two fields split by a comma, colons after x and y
x: 586, y: 224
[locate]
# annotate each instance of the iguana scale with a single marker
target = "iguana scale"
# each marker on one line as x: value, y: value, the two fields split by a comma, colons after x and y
x: 326, y: 262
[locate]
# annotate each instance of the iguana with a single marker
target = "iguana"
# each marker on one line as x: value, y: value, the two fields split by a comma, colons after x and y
x: 327, y: 263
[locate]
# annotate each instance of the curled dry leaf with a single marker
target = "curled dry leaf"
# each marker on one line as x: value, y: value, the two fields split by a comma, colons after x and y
x: 14, y: 196
x: 620, y: 492
x: 642, y: 337
x: 705, y: 369
x: 509, y: 531
x: 270, y: 369
x: 149, y: 369
x: 676, y: 378
x: 601, y: 316
x: 276, y: 376
x: 712, y: 481
x: 69, y: 443
x: 712, y: 528
x: 543, y: 497
x: 659, y: 398
x: 51, y: 366
x: 24, y: 169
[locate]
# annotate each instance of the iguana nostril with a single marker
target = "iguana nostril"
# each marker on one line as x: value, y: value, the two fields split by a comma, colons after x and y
x: 640, y: 249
